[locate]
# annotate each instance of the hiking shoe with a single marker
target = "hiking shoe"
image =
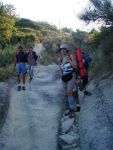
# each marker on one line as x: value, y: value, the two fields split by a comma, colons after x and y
x: 77, y: 109
x: 87, y: 93
x: 23, y: 88
x: 71, y: 114
x: 30, y: 79
x: 66, y: 113
x: 19, y: 88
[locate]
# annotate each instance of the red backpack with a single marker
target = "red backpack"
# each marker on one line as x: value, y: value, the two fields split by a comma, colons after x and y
x: 80, y: 63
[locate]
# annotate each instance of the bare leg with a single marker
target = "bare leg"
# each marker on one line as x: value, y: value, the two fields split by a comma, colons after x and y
x: 71, y: 100
x: 71, y: 103
x: 24, y: 78
x: 18, y: 78
x: 76, y: 97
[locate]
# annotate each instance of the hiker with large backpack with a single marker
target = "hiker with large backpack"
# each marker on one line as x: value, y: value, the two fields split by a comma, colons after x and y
x: 87, y: 58
x: 32, y: 61
x: 67, y: 65
x: 20, y: 65
x: 82, y: 69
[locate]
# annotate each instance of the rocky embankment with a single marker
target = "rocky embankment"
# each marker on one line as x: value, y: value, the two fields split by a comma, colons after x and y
x: 96, y: 116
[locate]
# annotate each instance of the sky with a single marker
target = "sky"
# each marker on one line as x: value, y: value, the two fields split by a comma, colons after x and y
x: 62, y: 13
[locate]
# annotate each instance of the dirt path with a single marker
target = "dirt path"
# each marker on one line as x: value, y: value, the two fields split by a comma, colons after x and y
x: 32, y: 122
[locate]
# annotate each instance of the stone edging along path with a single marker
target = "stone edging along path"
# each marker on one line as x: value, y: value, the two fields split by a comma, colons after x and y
x: 69, y: 133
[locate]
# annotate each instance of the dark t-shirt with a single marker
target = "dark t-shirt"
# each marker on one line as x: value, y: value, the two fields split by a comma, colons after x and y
x: 21, y: 57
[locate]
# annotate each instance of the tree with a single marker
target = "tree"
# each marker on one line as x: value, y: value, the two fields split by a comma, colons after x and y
x: 100, y: 10
x: 27, y: 23
x: 7, y: 22
x: 93, y: 39
x: 80, y: 38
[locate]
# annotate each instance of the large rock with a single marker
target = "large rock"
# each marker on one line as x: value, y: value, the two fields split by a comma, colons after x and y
x: 70, y: 139
x: 66, y: 125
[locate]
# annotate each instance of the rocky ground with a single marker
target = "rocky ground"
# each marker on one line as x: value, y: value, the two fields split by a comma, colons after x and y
x: 36, y: 118
x: 32, y: 122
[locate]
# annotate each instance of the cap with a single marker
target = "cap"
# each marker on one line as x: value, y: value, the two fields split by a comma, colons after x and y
x: 64, y: 46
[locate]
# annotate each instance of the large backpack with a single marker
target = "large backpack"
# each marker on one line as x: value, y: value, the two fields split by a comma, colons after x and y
x: 35, y: 55
x: 80, y: 63
x: 87, y: 58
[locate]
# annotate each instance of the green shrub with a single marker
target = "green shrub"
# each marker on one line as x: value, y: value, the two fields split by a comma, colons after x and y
x: 7, y: 56
x: 5, y: 73
x: 46, y: 58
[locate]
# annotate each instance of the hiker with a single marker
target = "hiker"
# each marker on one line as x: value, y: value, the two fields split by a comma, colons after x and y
x: 67, y: 65
x: 32, y: 61
x: 21, y: 69
x: 87, y: 59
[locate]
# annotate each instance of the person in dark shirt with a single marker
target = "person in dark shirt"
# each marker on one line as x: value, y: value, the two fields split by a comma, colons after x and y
x: 20, y: 66
x: 87, y: 59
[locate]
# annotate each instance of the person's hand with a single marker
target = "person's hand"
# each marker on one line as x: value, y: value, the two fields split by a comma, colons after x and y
x: 68, y: 58
x: 14, y: 69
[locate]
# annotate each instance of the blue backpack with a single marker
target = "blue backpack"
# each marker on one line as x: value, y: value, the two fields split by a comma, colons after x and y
x: 87, y: 59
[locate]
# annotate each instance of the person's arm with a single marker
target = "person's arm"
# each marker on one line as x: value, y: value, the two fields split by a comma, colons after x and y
x: 35, y: 56
x: 59, y: 60
x: 15, y: 61
x: 27, y: 57
x: 72, y: 61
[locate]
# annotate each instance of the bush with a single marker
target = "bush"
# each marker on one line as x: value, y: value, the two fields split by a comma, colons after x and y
x: 46, y: 58
x: 7, y: 56
x: 6, y: 59
x: 5, y: 73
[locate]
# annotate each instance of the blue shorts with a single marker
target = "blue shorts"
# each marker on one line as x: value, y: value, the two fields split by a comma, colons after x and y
x: 21, y: 68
